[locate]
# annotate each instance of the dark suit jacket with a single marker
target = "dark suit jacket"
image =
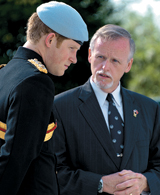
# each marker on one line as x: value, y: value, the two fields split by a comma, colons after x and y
x: 26, y: 98
x: 83, y: 145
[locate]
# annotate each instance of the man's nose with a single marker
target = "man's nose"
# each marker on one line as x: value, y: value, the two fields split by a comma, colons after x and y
x: 73, y: 59
x: 106, y: 65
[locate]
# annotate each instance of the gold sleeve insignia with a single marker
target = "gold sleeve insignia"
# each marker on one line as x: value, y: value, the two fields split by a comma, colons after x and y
x: 38, y: 65
x: 3, y: 128
x: 50, y: 130
x: 49, y: 133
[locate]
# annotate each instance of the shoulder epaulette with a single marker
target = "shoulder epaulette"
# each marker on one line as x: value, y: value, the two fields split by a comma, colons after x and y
x: 38, y: 65
x: 2, y: 65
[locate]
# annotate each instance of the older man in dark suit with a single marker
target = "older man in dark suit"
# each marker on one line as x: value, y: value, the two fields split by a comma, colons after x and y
x: 94, y: 153
x: 55, y: 33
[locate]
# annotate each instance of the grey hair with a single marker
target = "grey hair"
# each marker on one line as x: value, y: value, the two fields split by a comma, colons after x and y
x: 113, y: 32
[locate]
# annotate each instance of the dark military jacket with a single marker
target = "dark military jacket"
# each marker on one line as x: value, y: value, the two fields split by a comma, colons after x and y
x: 26, y: 127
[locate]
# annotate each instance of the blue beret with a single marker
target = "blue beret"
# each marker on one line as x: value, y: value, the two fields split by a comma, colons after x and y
x: 64, y: 20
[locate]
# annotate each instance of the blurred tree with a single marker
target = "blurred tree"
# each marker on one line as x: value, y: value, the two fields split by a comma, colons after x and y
x: 14, y: 15
x: 144, y: 75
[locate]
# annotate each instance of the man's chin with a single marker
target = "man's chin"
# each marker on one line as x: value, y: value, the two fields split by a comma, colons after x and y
x: 102, y: 85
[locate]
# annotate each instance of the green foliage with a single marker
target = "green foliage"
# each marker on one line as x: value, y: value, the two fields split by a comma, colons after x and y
x: 14, y: 15
x: 144, y: 75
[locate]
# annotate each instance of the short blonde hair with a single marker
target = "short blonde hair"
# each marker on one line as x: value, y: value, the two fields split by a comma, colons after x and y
x: 36, y: 29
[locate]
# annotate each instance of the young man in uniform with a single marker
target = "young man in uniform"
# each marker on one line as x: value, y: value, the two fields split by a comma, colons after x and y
x: 55, y: 33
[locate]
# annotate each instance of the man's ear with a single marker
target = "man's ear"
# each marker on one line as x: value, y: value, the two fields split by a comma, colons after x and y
x: 89, y: 55
x: 128, y: 68
x: 50, y: 37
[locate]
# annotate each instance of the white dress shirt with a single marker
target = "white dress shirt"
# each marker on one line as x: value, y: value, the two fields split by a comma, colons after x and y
x: 101, y: 97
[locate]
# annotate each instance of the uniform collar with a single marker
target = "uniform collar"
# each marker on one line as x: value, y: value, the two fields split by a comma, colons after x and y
x: 25, y: 53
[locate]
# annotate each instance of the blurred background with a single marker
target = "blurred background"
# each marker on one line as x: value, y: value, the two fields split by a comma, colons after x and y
x: 140, y: 17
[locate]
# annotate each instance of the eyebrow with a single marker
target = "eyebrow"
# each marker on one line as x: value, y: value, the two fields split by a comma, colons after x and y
x: 75, y: 47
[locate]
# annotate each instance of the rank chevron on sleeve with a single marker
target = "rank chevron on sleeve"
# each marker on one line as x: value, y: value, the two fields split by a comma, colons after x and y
x: 50, y: 130
x: 3, y: 128
x: 49, y: 133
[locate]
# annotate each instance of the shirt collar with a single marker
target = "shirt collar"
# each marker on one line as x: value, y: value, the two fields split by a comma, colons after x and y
x: 101, y: 95
x: 117, y: 95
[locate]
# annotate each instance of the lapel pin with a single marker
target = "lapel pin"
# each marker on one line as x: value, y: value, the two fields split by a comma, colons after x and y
x: 135, y: 112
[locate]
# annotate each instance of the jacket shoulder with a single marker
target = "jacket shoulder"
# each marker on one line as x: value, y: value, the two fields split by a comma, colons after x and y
x: 67, y: 94
x: 138, y: 97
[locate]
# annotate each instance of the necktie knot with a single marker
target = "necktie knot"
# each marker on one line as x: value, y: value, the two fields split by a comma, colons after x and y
x: 109, y: 97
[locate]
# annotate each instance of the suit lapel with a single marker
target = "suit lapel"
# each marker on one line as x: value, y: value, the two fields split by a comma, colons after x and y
x: 131, y: 126
x: 91, y: 111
